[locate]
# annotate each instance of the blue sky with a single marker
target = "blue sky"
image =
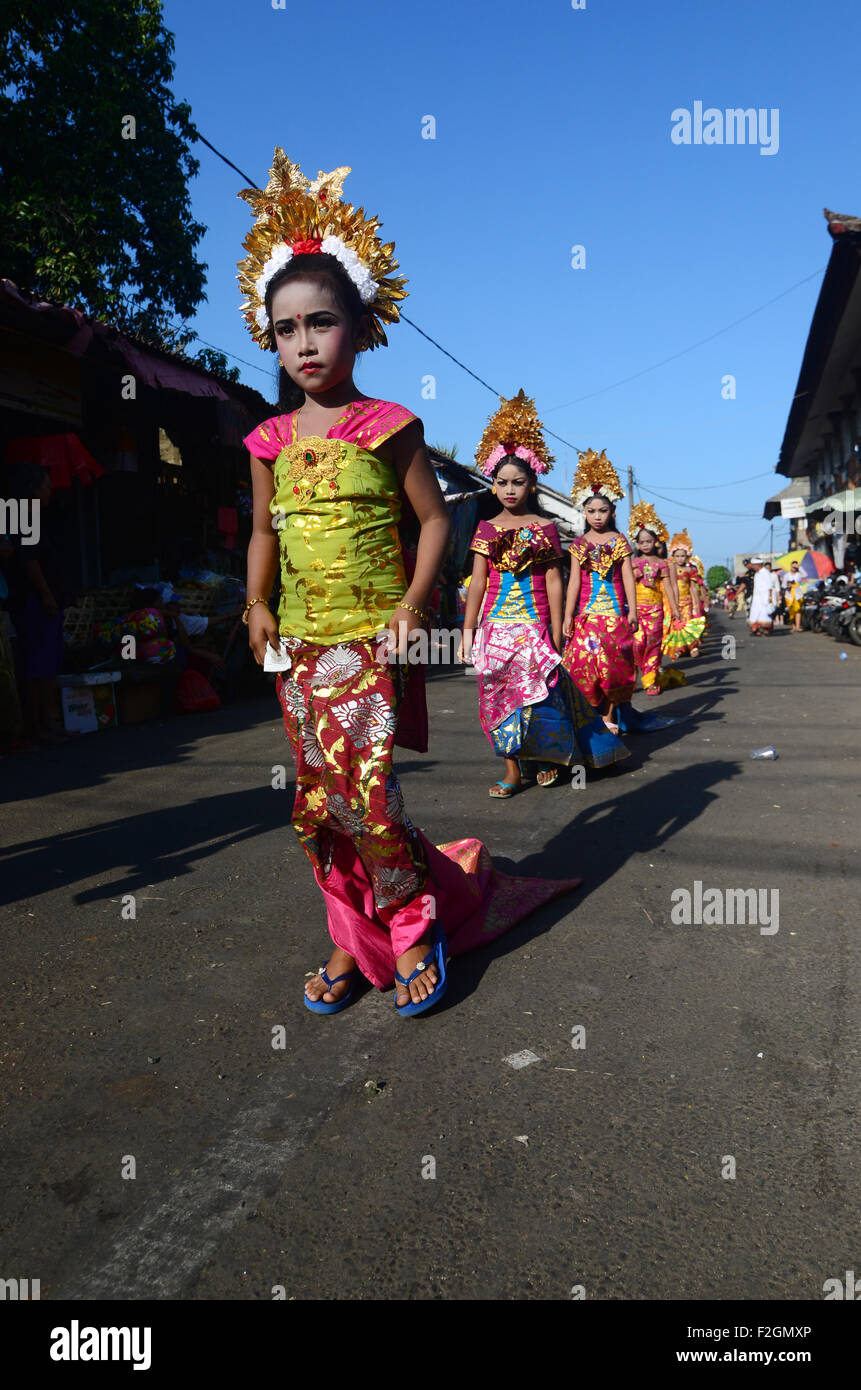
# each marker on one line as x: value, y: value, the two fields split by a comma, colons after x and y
x: 552, y: 131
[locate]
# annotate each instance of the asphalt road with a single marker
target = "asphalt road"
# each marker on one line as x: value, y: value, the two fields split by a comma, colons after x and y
x: 146, y: 1044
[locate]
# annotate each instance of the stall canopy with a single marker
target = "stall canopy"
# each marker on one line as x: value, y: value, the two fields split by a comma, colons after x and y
x: 798, y: 489
x: 62, y: 454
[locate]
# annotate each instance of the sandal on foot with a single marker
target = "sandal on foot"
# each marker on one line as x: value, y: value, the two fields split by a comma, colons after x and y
x: 317, y: 1006
x: 435, y: 956
x: 550, y: 776
x: 509, y: 789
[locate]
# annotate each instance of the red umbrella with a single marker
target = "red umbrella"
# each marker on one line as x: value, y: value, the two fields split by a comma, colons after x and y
x: 815, y: 565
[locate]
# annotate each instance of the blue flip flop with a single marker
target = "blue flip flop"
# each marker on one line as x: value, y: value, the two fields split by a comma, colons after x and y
x: 435, y: 956
x: 317, y: 1006
x: 510, y: 789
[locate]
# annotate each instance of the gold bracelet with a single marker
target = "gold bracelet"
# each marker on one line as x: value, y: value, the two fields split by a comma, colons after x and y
x: 418, y: 611
x: 249, y: 608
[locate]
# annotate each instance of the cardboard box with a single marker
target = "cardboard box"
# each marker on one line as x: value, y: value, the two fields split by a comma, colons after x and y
x: 88, y: 701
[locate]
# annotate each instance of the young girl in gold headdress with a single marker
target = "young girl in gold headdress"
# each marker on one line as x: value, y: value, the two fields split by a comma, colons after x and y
x: 329, y: 475
x: 684, y: 641
x: 654, y: 590
x: 601, y: 605
x: 528, y: 707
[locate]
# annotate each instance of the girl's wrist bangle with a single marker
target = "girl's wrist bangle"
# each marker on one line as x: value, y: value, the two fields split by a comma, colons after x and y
x: 419, y: 612
x: 249, y: 608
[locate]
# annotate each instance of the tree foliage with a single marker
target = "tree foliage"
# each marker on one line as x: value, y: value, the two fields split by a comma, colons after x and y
x: 88, y: 217
x: 215, y: 361
x: 717, y: 575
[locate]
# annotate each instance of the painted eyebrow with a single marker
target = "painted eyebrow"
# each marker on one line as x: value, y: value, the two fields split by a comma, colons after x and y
x: 314, y: 314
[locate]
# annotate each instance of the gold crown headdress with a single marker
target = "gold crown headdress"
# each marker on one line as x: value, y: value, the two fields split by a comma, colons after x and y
x: 595, y: 477
x: 695, y: 560
x: 680, y: 541
x: 642, y: 515
x: 294, y: 217
x: 514, y: 429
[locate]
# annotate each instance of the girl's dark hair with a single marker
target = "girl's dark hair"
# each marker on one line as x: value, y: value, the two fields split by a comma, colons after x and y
x: 651, y: 533
x: 660, y: 547
x: 344, y: 293
x: 530, y: 474
x: 612, y: 505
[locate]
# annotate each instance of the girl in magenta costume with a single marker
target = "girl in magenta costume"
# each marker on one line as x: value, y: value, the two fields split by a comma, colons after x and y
x: 329, y: 475
x: 601, y: 605
x: 654, y: 589
x: 656, y: 600
x: 528, y: 708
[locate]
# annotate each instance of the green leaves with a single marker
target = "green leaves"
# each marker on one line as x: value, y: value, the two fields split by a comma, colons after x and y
x: 87, y: 216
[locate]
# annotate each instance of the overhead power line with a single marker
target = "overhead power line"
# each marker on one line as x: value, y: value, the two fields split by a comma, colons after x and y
x: 676, y: 355
x: 229, y: 162
x: 590, y: 395
x: 706, y: 487
x: 689, y: 506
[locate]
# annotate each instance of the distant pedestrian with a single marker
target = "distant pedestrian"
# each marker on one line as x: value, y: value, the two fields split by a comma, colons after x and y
x: 793, y: 589
x: 761, y: 602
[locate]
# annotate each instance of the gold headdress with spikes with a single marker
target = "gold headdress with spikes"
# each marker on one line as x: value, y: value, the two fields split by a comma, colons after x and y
x: 642, y: 515
x: 680, y: 541
x: 295, y: 217
x: 514, y: 428
x: 695, y: 560
x: 595, y: 477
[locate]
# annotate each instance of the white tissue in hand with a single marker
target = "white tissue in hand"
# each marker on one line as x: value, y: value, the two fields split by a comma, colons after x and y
x: 276, y: 660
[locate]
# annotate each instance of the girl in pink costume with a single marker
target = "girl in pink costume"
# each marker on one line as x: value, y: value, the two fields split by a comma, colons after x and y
x: 329, y: 476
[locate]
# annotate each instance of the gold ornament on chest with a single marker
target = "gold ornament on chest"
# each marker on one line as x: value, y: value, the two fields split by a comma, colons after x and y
x: 311, y: 461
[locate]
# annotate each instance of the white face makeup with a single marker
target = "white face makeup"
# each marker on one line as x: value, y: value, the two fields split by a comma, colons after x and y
x: 313, y: 335
x: 598, y: 513
x: 512, y: 486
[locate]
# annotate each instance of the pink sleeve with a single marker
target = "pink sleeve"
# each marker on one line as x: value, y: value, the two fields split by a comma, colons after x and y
x: 481, y: 538
x: 267, y: 441
x: 372, y: 427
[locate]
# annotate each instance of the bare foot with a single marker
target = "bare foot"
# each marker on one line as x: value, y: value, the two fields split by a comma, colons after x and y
x: 422, y: 987
x: 338, y: 964
x: 614, y: 728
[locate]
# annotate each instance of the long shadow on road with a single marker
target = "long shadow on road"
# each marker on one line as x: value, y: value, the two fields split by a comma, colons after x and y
x: 596, y: 844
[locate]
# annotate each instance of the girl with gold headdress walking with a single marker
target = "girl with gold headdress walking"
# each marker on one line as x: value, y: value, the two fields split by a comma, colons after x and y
x: 684, y: 639
x: 601, y: 605
x: 329, y: 475
x: 654, y: 591
x: 528, y: 708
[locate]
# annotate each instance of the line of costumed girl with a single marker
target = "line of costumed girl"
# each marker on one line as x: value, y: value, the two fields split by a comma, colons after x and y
x: 331, y: 473
x: 554, y: 688
x: 529, y: 708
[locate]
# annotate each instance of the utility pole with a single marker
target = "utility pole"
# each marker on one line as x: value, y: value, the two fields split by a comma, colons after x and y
x: 630, y: 493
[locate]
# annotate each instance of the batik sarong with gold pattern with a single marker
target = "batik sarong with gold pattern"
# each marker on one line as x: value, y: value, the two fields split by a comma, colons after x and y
x: 599, y: 654
x: 336, y: 508
x: 649, y: 574
x: 680, y: 641
x: 527, y: 705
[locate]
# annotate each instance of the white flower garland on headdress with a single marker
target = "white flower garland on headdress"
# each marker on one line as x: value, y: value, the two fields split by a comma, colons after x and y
x: 329, y: 246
